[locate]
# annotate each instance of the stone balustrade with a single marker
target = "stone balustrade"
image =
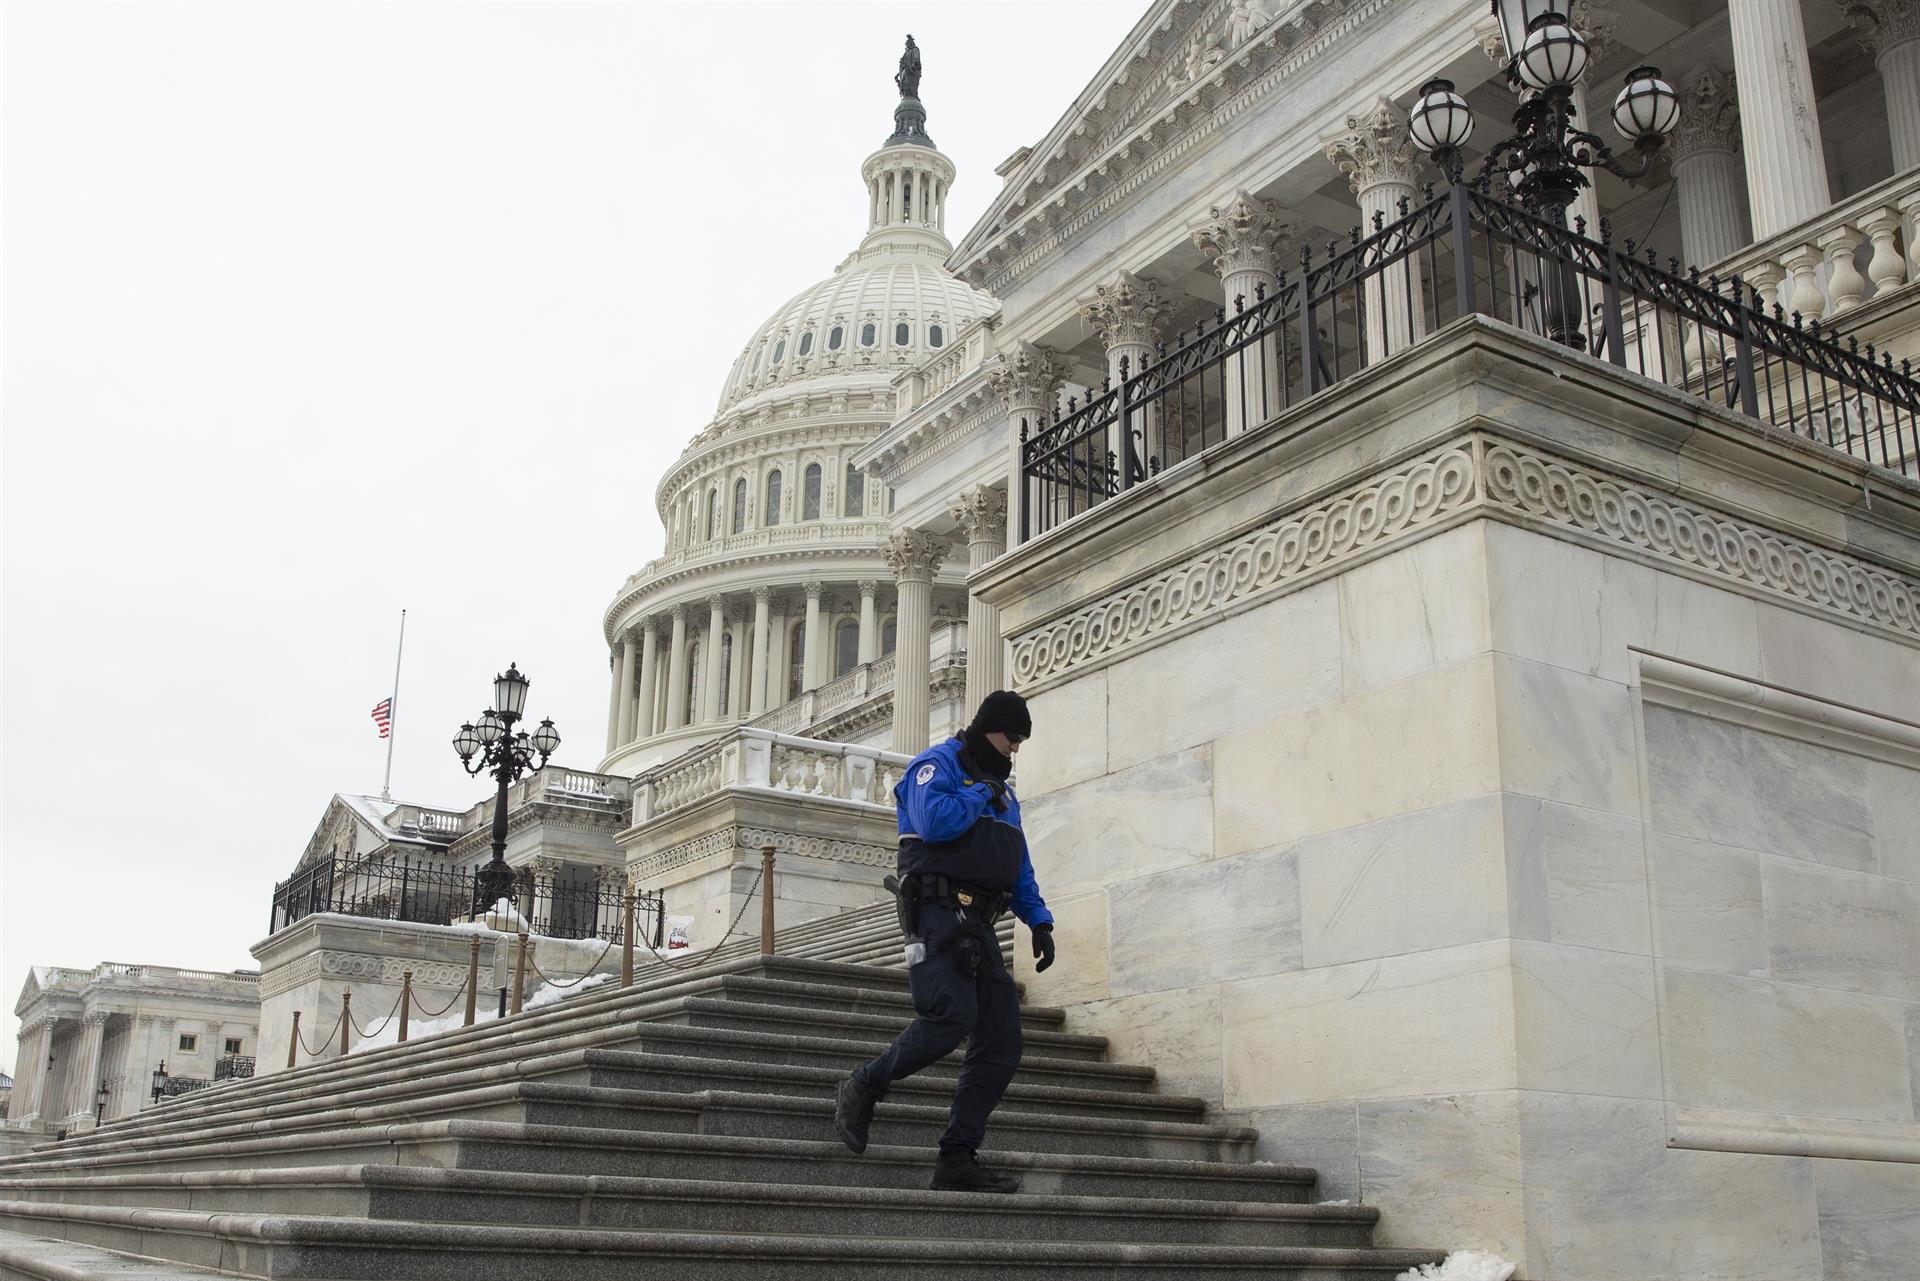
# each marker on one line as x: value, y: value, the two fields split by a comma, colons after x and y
x: 969, y: 353
x: 754, y: 759
x: 863, y: 533
x: 1858, y: 250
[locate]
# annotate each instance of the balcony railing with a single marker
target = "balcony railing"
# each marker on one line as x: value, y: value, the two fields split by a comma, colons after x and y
x: 233, y: 1067
x: 1357, y: 305
x: 758, y: 760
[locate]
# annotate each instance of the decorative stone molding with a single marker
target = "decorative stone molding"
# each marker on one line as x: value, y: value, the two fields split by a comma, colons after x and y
x: 389, y: 969
x: 1375, y: 148
x: 1126, y: 310
x: 981, y: 514
x: 1384, y: 509
x: 1026, y: 377
x: 1709, y: 114
x: 1883, y: 24
x: 1599, y: 27
x: 915, y: 555
x: 747, y: 841
x: 1247, y: 234
x: 1560, y: 492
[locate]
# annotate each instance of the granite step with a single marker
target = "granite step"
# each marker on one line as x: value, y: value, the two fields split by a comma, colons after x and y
x: 297, y: 1247
x: 692, y: 1205
x: 876, y: 1030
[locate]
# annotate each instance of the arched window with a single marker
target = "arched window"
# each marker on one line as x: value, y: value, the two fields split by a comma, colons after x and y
x: 726, y: 673
x: 810, y: 493
x: 834, y: 339
x: 759, y: 356
x: 693, y: 682
x: 888, y: 630
x: 846, y: 648
x: 901, y: 333
x: 934, y: 336
x: 868, y: 335
x: 854, y: 502
x: 806, y: 343
x: 713, y: 514
x: 772, y: 512
x: 779, y: 351
x: 740, y: 505
x: 796, y: 657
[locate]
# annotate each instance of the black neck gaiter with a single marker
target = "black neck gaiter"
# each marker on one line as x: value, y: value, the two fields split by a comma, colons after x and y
x: 987, y: 762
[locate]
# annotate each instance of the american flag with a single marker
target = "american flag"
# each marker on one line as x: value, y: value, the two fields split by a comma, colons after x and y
x: 383, y: 716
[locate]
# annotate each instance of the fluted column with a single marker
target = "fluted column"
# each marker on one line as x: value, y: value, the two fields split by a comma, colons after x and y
x: 29, y: 1069
x: 1706, y: 167
x: 711, y: 659
x: 1786, y: 167
x: 762, y: 637
x: 1382, y: 166
x: 810, y: 642
x: 677, y: 670
x: 1890, y: 30
x: 779, y: 673
x: 1127, y: 314
x: 644, y: 724
x: 869, y: 622
x: 914, y: 555
x: 736, y: 709
x: 1027, y: 380
x: 1248, y: 241
x: 95, y: 1025
x: 629, y: 656
x: 613, y: 699
x: 982, y: 516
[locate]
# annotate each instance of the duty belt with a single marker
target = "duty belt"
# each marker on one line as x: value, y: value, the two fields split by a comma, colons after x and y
x: 935, y: 888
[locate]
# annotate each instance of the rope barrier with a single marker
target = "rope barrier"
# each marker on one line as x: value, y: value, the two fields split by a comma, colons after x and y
x: 364, y: 1034
x: 533, y: 959
x: 424, y: 1012
x: 715, y: 949
x: 325, y: 1041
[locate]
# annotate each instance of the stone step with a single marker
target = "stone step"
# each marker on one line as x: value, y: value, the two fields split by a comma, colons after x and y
x: 877, y: 1030
x: 690, y: 1205
x: 351, y: 1250
x: 586, y: 1150
x: 32, y: 1258
x: 824, y: 994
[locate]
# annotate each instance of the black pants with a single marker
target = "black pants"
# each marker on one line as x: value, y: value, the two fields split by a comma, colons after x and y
x: 982, y: 1009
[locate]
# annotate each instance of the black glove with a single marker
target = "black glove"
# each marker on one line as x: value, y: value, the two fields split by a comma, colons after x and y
x: 1043, y: 945
x: 998, y: 791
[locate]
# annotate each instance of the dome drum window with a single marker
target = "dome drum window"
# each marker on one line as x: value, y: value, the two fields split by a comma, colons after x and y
x: 780, y: 351
x: 835, y: 338
x: 806, y: 343
x: 810, y: 493
x: 902, y: 334
x: 934, y: 336
x: 773, y: 498
x: 869, y: 334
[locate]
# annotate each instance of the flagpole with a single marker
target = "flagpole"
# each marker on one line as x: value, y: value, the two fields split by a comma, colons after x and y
x: 393, y: 709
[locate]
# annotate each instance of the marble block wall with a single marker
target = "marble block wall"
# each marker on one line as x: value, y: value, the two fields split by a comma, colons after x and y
x: 1540, y: 877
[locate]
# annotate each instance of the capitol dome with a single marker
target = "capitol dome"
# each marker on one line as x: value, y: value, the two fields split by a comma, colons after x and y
x: 777, y: 580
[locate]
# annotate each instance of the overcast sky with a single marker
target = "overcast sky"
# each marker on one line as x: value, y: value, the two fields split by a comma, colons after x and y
x: 312, y: 312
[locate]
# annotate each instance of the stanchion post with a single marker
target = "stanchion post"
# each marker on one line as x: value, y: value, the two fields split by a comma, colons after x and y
x: 626, y: 943
x: 293, y: 1044
x: 346, y: 1022
x: 473, y: 977
x: 520, y: 974
x: 406, y: 1000
x: 766, y: 900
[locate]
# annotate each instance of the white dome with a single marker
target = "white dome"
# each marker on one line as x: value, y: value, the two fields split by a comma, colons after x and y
x: 854, y: 321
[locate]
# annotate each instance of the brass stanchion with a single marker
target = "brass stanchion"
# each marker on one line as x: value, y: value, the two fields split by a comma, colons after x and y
x: 626, y: 942
x: 766, y: 900
x: 346, y: 1022
x: 473, y: 977
x: 520, y: 974
x: 406, y: 1000
x: 293, y: 1044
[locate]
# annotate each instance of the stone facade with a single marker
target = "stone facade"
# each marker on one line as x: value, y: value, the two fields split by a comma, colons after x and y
x: 1548, y: 877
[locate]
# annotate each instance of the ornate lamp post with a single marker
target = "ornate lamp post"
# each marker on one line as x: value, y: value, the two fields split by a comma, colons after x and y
x: 100, y: 1097
x: 493, y: 745
x: 159, y: 1080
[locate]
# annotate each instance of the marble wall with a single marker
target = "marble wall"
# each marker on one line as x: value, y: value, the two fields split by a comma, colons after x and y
x: 1419, y: 870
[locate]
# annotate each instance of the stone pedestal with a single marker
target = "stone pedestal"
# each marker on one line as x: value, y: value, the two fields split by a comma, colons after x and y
x: 1441, y: 793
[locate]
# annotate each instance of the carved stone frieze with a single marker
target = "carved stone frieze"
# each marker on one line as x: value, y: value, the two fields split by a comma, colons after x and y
x: 748, y: 840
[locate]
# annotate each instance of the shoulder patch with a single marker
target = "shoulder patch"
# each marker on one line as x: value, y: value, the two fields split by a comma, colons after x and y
x: 925, y: 775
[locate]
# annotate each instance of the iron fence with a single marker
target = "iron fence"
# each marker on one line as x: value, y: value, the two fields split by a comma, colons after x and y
x: 561, y: 902
x: 1459, y: 251
x: 233, y: 1067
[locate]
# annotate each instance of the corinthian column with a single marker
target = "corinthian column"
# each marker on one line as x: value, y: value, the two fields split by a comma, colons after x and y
x: 1026, y: 379
x: 95, y: 1022
x: 1248, y: 241
x: 913, y: 555
x: 613, y: 699
x: 644, y: 721
x: 1890, y: 30
x: 1786, y: 168
x: 762, y: 630
x: 810, y: 647
x: 869, y: 622
x: 710, y: 679
x: 1382, y: 165
x: 629, y: 655
x: 1713, y: 214
x: 982, y: 516
x: 1127, y: 314
x: 677, y: 670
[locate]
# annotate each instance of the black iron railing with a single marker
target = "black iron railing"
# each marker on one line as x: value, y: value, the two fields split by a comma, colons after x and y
x: 173, y: 1087
x: 1459, y: 251
x: 568, y: 903
x: 233, y: 1067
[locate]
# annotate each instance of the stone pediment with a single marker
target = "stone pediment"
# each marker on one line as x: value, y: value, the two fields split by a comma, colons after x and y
x: 1185, y: 66
x: 342, y: 828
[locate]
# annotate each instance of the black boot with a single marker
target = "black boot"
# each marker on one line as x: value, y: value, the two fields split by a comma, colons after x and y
x: 962, y: 1172
x: 853, y: 1113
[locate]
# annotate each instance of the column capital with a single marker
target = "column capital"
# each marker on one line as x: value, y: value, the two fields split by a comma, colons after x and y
x: 1246, y: 234
x: 1486, y: 34
x: 143, y: 1020
x: 813, y: 588
x: 762, y: 594
x: 1025, y: 377
x: 1883, y: 24
x: 1709, y: 114
x: 1598, y: 28
x: 679, y: 613
x: 717, y: 603
x: 915, y: 554
x: 868, y: 587
x: 1126, y: 309
x: 545, y: 866
x: 1374, y: 148
x: 96, y: 1018
x: 981, y: 514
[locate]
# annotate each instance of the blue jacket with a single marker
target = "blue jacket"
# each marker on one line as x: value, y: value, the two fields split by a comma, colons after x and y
x: 954, y: 815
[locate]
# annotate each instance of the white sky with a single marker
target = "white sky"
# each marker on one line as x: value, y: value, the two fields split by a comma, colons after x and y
x: 314, y: 311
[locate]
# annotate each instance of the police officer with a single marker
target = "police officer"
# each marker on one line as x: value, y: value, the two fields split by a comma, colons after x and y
x: 962, y: 862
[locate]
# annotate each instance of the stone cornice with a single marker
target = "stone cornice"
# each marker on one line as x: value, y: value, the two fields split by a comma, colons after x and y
x: 966, y: 407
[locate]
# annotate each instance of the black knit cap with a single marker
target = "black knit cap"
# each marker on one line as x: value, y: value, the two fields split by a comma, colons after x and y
x: 1003, y: 712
